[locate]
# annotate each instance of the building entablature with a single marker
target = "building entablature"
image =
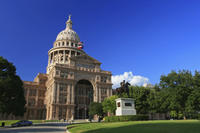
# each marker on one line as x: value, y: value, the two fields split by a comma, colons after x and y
x: 65, y: 48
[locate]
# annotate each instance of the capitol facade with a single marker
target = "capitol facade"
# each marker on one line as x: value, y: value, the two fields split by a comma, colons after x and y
x: 73, y: 80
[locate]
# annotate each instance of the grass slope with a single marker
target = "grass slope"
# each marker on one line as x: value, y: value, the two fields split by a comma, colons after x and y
x: 165, y: 126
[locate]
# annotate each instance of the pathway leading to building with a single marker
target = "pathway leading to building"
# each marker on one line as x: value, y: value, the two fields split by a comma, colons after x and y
x: 39, y: 128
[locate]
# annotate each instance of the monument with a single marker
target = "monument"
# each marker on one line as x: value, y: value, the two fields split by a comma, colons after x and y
x: 125, y: 106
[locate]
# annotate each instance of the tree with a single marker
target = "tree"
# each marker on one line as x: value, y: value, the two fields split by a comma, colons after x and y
x: 12, y: 100
x: 109, y: 104
x: 140, y: 94
x: 177, y: 88
x: 193, y: 102
x: 95, y: 109
x: 154, y: 100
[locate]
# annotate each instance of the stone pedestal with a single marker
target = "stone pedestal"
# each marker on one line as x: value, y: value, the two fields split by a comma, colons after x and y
x: 125, y: 106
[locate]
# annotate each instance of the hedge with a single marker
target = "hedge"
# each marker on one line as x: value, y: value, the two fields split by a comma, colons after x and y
x: 138, y: 117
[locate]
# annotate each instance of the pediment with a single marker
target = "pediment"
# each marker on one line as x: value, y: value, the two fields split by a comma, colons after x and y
x: 86, y: 59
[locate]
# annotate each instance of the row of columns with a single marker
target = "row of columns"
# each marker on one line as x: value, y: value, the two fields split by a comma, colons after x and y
x: 64, y: 43
x: 64, y: 54
x: 70, y: 93
x: 53, y: 112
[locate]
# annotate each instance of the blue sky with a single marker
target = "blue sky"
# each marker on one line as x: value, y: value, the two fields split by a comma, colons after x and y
x: 145, y: 37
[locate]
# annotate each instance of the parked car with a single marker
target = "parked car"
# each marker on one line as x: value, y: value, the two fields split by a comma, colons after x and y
x: 22, y: 123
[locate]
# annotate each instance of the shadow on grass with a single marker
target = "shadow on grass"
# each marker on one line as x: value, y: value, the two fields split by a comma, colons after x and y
x: 152, y: 128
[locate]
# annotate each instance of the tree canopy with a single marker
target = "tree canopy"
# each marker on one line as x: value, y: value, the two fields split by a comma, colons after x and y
x: 95, y: 109
x: 109, y: 104
x: 12, y: 100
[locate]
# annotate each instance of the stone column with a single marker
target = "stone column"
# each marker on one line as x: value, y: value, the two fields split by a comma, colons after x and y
x: 107, y: 92
x: 68, y: 94
x: 72, y: 94
x: 110, y: 91
x: 54, y: 92
x: 57, y: 112
x: 58, y: 92
x: 67, y: 113
x: 99, y: 94
x: 50, y: 113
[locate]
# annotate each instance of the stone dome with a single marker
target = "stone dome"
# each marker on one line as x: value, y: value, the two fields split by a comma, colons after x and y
x: 68, y: 33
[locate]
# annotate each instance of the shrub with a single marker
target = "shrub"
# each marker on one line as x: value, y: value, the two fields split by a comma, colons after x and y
x: 126, y: 118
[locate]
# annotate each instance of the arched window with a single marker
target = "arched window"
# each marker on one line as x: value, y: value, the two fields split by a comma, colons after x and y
x: 67, y: 43
x: 72, y: 45
x: 63, y: 43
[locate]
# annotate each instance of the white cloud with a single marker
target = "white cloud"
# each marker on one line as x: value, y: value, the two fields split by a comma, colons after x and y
x: 132, y: 79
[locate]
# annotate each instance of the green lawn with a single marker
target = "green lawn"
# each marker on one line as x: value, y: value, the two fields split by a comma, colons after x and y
x: 165, y: 126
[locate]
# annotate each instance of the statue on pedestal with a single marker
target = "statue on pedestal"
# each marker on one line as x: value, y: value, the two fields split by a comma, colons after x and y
x: 123, y: 89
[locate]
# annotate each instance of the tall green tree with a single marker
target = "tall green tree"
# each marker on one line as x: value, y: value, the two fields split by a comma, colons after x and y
x: 109, y: 104
x: 12, y: 100
x: 177, y: 88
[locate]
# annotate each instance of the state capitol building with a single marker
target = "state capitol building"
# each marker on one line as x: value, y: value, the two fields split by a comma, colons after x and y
x: 73, y: 80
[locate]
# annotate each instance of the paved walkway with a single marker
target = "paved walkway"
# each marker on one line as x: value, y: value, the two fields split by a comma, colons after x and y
x: 38, y: 128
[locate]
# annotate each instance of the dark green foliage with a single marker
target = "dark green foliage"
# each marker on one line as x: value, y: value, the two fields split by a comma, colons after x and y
x: 181, y: 92
x: 140, y: 95
x: 12, y: 100
x: 95, y: 109
x: 138, y: 117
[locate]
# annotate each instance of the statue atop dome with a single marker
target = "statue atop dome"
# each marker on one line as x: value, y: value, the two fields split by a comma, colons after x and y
x: 69, y: 22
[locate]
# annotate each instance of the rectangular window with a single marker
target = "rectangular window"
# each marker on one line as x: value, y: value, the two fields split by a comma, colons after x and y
x: 128, y: 104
